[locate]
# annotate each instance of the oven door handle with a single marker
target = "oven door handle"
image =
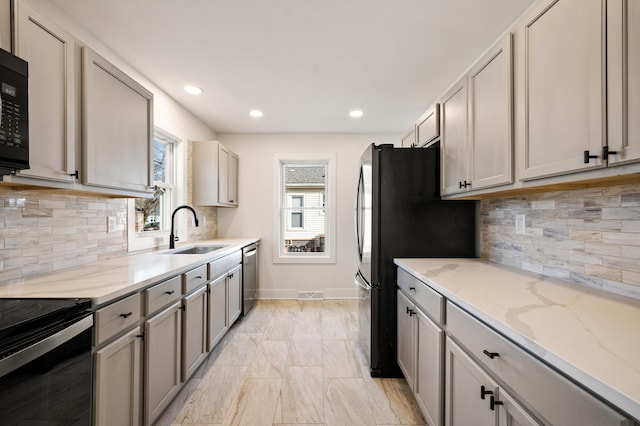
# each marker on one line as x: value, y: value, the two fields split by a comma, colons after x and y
x: 40, y: 348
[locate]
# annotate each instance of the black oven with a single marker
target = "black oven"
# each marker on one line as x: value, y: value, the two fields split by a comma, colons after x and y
x: 45, y: 362
x: 14, y: 113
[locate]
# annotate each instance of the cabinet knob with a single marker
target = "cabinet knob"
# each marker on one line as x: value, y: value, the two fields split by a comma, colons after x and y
x: 484, y: 391
x: 127, y: 315
x: 493, y: 402
x: 588, y: 157
x: 491, y: 355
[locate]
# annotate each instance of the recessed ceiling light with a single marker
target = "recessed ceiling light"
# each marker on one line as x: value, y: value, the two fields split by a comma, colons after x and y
x: 256, y: 113
x: 356, y: 113
x: 192, y: 90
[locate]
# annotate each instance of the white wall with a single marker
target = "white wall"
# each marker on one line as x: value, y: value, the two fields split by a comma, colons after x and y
x: 255, y: 215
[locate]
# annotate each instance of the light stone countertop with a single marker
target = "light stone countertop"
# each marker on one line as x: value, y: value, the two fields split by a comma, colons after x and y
x: 114, y: 278
x: 591, y: 336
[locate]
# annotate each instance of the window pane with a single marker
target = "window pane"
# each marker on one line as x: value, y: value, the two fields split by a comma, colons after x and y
x: 159, y: 161
x: 296, y: 220
x: 151, y: 212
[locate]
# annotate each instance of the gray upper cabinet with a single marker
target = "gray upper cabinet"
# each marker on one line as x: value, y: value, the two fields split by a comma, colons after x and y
x: 454, y: 142
x: 50, y: 52
x: 623, y: 74
x: 409, y: 139
x: 117, y: 127
x: 215, y: 175
x: 561, y: 63
x: 491, y: 116
x: 428, y: 126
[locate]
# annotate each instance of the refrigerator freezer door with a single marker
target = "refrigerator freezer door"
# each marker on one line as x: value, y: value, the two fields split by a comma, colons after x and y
x: 364, y: 316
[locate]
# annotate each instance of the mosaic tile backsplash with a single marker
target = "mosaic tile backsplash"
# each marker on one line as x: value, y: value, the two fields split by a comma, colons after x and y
x: 586, y: 236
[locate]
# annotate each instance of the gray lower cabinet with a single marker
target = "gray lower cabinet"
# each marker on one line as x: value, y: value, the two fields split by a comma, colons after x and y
x: 217, y: 311
x: 420, y: 344
x: 234, y: 294
x: 162, y: 366
x: 194, y: 331
x: 118, y: 381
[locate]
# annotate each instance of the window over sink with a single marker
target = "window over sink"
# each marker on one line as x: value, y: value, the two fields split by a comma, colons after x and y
x: 150, y: 218
x: 306, y: 204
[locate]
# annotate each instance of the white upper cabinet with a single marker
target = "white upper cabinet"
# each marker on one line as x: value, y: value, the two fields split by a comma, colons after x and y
x: 623, y: 74
x: 491, y: 116
x: 561, y: 63
x: 117, y: 127
x: 215, y: 175
x: 428, y: 126
x: 50, y: 52
x: 454, y: 142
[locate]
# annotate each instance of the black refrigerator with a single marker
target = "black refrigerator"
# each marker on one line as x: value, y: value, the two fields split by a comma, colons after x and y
x: 399, y: 213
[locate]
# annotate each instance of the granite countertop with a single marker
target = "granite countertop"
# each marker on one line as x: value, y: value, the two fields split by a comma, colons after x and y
x: 590, y: 335
x: 108, y: 280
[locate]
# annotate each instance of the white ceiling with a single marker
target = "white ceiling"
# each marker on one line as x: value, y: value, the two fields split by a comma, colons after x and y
x: 305, y: 63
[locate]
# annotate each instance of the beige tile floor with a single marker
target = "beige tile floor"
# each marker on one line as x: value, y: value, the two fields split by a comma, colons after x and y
x: 292, y: 362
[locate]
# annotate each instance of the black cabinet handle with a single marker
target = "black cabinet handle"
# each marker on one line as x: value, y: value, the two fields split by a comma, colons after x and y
x: 408, y: 309
x: 493, y: 402
x: 169, y: 292
x: 230, y: 275
x: 491, y: 355
x: 484, y: 391
x: 412, y: 288
x: 199, y: 277
x: 588, y: 157
x: 75, y: 175
x: 412, y: 312
x: 464, y: 184
x: 127, y: 315
x: 606, y: 152
x: 141, y: 336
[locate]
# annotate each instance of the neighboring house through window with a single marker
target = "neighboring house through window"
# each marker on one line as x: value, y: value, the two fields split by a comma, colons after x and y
x: 306, y: 225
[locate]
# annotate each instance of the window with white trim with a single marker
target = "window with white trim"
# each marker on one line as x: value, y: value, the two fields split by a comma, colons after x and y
x: 150, y: 218
x: 305, y: 222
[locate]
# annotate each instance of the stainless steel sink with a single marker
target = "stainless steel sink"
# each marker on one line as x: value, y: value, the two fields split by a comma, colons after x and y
x: 196, y: 250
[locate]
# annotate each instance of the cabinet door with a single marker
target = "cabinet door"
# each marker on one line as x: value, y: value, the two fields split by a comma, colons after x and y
x: 217, y: 311
x: 233, y: 179
x: 223, y: 175
x: 234, y: 292
x: 465, y: 381
x: 50, y: 52
x: 227, y: 176
x: 623, y: 75
x: 491, y: 117
x: 117, y: 127
x: 561, y: 61
x: 162, y: 360
x: 454, y: 150
x: 117, y: 381
x: 429, y: 382
x: 194, y: 332
x: 409, y: 139
x: 406, y: 333
x: 428, y: 126
x: 510, y: 413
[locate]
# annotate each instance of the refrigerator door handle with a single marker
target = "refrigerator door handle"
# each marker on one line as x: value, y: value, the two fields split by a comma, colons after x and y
x: 360, y: 282
x: 358, y: 215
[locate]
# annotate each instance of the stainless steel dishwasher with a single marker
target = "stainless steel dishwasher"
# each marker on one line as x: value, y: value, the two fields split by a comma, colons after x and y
x: 249, y: 276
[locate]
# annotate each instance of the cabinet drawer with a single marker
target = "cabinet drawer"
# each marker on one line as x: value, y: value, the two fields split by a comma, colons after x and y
x: 429, y: 300
x: 547, y: 393
x: 161, y: 295
x: 117, y: 317
x: 194, y: 278
x: 224, y: 264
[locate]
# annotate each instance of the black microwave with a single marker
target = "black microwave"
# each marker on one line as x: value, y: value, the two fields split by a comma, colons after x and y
x: 14, y: 113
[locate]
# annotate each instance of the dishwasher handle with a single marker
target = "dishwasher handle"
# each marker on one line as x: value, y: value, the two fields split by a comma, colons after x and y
x: 251, y: 253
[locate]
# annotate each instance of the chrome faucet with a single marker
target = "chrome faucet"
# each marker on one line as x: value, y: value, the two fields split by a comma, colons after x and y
x: 172, y: 238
